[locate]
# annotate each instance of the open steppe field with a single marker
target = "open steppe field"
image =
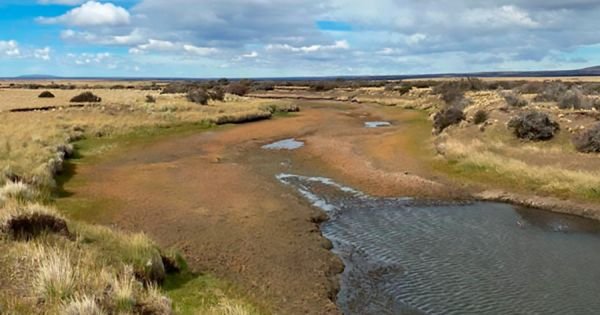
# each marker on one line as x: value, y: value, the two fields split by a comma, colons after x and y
x: 171, y: 195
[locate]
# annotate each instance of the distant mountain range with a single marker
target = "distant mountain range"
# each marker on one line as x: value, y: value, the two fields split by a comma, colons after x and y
x: 591, y: 71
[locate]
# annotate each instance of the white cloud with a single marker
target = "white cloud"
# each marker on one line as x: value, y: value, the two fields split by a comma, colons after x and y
x: 92, y: 13
x: 88, y: 58
x: 43, y: 53
x: 155, y: 45
x: 200, y: 51
x: 504, y: 16
x: 415, y: 39
x: 338, y: 45
x: 253, y: 54
x: 135, y: 37
x: 9, y: 48
x: 65, y: 2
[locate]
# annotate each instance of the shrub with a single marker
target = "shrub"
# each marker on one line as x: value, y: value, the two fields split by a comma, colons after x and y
x: 480, y: 117
x: 533, y: 125
x: 453, y: 92
x: 588, y: 141
x: 46, y: 94
x: 514, y: 100
x: 575, y: 99
x: 150, y: 99
x: 237, y: 89
x: 551, y: 92
x: 447, y: 117
x: 199, y: 96
x: 217, y: 94
x: 86, y: 97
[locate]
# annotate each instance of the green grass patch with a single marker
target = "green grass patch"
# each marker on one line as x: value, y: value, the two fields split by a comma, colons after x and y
x: 204, y: 294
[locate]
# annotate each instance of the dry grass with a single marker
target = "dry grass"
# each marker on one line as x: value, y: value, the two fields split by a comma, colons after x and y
x: 544, y: 178
x: 83, y: 306
x: 88, y: 269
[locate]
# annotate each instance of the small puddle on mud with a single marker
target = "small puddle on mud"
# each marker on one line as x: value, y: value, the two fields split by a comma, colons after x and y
x: 405, y: 256
x: 377, y: 124
x: 287, y: 144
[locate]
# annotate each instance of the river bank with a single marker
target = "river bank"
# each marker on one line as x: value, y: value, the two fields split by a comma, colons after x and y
x: 215, y: 195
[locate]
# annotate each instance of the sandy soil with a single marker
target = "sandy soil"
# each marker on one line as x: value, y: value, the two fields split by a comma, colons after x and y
x: 214, y: 195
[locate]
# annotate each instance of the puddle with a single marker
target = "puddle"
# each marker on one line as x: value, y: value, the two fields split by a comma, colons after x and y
x: 406, y: 256
x: 287, y: 144
x: 377, y: 124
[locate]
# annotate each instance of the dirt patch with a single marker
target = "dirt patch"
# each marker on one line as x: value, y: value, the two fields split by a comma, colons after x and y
x: 214, y: 195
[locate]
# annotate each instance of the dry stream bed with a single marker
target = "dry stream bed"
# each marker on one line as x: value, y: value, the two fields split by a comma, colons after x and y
x: 230, y: 199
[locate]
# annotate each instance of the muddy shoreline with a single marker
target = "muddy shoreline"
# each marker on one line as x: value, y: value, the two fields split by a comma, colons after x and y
x: 214, y: 195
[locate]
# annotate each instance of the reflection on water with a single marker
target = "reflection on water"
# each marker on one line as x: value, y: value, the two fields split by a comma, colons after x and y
x: 287, y: 144
x: 377, y: 124
x: 407, y: 257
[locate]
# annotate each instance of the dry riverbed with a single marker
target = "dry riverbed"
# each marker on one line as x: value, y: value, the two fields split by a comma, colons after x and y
x: 214, y: 195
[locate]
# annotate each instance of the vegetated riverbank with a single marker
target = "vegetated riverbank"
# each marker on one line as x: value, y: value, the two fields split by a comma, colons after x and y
x: 214, y: 195
x: 479, y: 153
x: 51, y: 261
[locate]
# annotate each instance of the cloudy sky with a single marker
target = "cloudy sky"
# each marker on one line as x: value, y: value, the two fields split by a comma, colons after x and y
x: 263, y: 38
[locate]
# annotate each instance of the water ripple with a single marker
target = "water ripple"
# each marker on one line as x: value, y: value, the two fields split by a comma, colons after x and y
x: 406, y: 257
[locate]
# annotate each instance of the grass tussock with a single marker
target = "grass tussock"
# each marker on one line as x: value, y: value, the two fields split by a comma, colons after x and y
x: 53, y: 264
x: 477, y: 157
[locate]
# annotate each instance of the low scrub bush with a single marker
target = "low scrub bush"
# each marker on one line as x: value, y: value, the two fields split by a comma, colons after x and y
x: 447, y: 117
x: 46, y: 94
x: 533, y: 125
x: 574, y: 99
x: 514, y: 100
x: 237, y: 88
x: 588, y: 141
x: 86, y: 97
x: 480, y: 117
x: 150, y: 99
x: 199, y: 96
x: 217, y: 94
x: 551, y: 92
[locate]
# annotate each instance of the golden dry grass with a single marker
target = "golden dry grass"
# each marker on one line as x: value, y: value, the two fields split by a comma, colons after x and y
x: 100, y: 270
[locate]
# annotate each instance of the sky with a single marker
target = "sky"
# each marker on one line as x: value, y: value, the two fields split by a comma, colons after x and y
x: 282, y: 38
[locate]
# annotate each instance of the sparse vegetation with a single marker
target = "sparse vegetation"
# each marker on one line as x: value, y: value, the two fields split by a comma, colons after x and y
x: 199, y: 96
x: 513, y: 99
x: 551, y: 92
x: 588, y: 141
x: 46, y: 94
x: 447, y: 117
x: 237, y: 88
x: 480, y: 117
x: 86, y: 97
x: 574, y: 99
x: 533, y: 125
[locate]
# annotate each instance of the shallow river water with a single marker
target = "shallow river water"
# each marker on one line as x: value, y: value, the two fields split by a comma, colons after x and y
x: 405, y: 256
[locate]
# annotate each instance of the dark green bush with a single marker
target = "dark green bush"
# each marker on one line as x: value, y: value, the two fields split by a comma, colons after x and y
x: 480, y: 117
x: 447, y: 117
x: 46, y: 94
x: 86, y: 97
x: 533, y: 125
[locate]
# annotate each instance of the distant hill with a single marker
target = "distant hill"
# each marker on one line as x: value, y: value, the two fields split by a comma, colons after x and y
x: 590, y: 71
x: 37, y: 77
